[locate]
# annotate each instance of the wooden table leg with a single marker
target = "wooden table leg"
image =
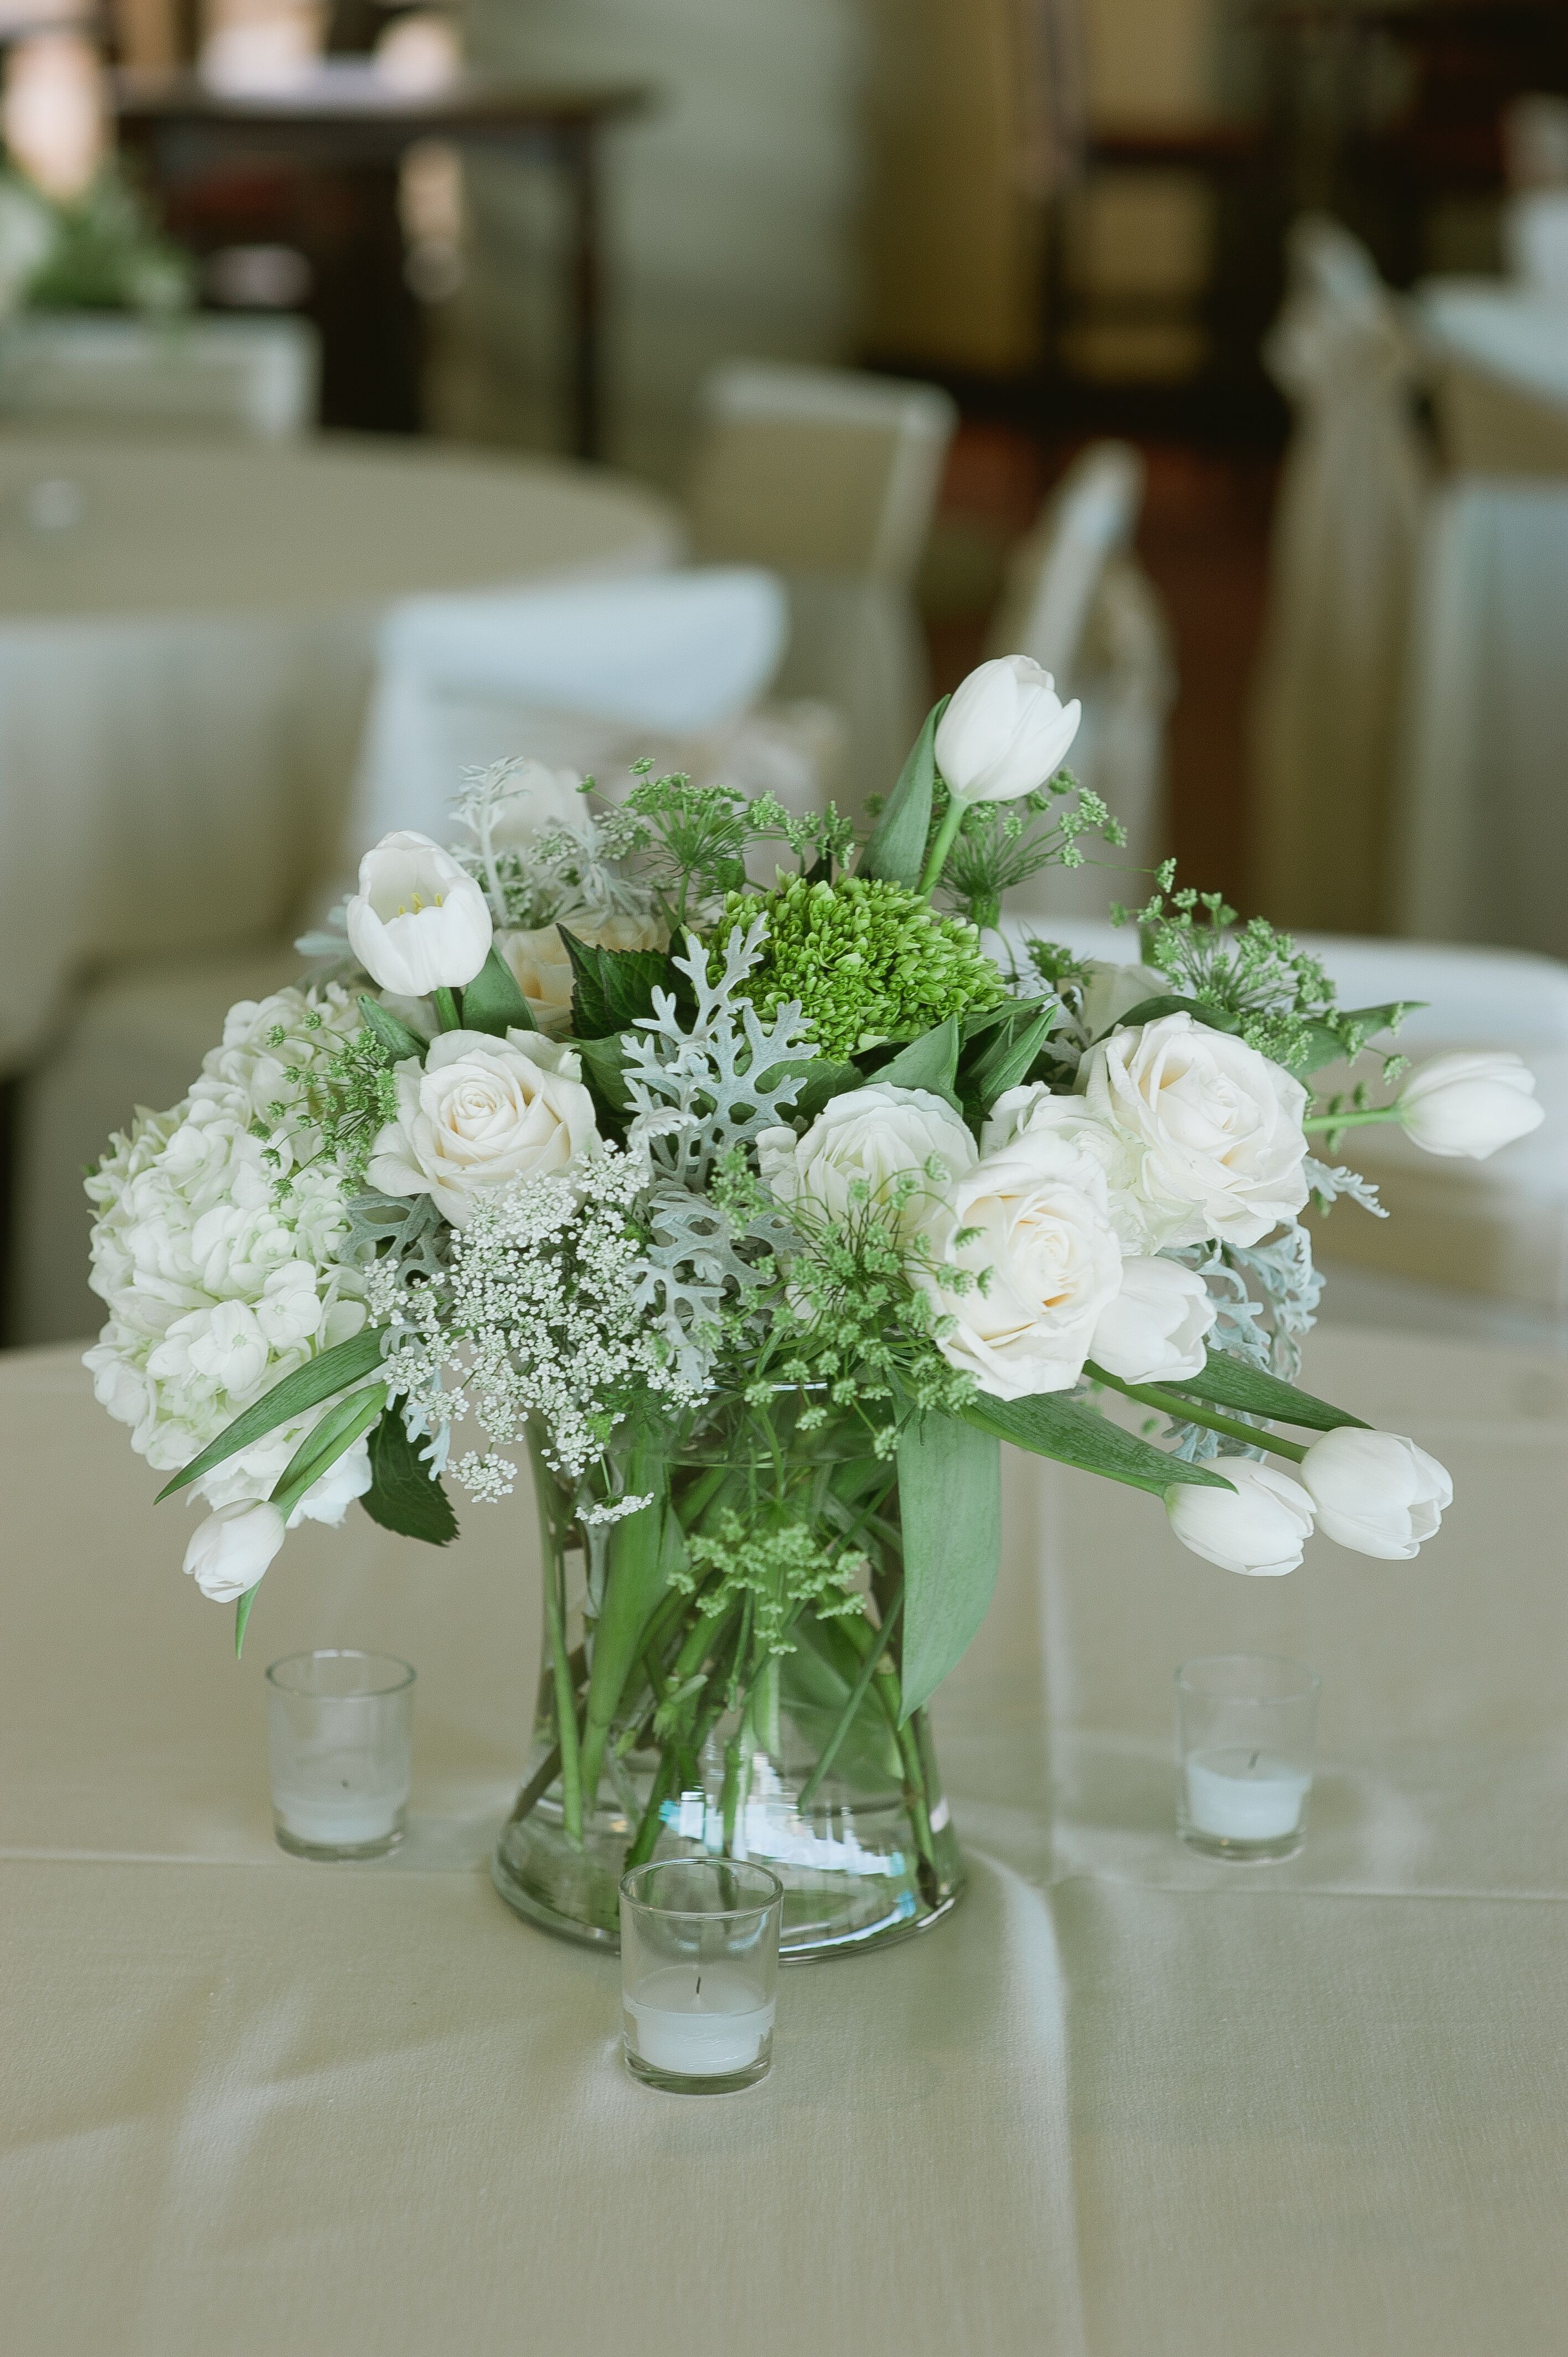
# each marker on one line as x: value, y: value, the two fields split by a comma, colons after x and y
x: 579, y: 160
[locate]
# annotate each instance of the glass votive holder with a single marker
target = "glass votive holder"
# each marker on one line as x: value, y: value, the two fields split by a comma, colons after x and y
x: 1246, y: 1726
x: 340, y: 1730
x: 699, y: 1973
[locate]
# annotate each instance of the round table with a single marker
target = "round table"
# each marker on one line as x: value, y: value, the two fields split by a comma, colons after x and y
x: 185, y: 643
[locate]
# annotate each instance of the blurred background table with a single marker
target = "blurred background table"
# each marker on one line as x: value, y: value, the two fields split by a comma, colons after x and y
x: 1127, y: 2100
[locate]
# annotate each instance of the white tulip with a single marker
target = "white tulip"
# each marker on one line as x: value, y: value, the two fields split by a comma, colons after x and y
x: 418, y: 922
x: 482, y: 1115
x: 1155, y: 1330
x: 869, y: 1137
x: 1004, y: 732
x: 1469, y: 1104
x: 1262, y: 1527
x: 1375, y: 1491
x: 230, y: 1551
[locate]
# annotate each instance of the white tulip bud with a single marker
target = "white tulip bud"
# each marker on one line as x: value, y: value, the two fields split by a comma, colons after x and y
x: 1263, y: 1527
x: 1469, y: 1104
x: 1155, y: 1328
x: 1005, y: 732
x: 230, y: 1551
x: 1376, y: 1492
x: 418, y: 922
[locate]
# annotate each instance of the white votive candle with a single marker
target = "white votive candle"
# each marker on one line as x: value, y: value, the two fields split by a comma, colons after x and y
x: 700, y: 2022
x: 1238, y: 1795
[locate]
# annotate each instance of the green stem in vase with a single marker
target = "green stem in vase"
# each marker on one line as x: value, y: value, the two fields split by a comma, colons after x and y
x: 647, y: 1834
x: 561, y: 1665
x: 868, y: 1668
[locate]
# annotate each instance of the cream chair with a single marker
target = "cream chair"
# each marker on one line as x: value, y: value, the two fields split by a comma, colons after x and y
x: 257, y: 378
x: 1078, y: 603
x: 830, y: 478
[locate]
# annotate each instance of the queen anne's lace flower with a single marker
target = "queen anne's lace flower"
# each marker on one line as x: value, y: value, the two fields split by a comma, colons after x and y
x: 214, y: 1249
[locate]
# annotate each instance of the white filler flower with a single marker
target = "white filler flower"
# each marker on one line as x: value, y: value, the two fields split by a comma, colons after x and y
x: 482, y: 1115
x: 1375, y: 1491
x: 1214, y: 1130
x: 1469, y: 1104
x: 1156, y: 1329
x: 418, y: 922
x: 873, y: 1135
x: 1262, y: 1528
x: 1006, y: 731
x: 1031, y: 1228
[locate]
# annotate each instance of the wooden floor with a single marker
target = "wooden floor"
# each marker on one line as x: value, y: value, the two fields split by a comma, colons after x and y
x: 1203, y: 540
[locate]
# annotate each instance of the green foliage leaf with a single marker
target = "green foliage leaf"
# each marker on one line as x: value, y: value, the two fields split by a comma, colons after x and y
x: 306, y: 1387
x: 325, y: 1443
x: 1230, y: 1382
x: 1325, y: 1045
x: 949, y: 1503
x: 1051, y: 1424
x: 897, y: 849
x: 393, y: 1033
x: 493, y: 1002
x: 612, y: 988
x: 929, y: 1062
x: 824, y: 1081
x: 1004, y: 1060
x: 404, y: 1495
x: 643, y: 1551
x: 604, y: 1066
x: 1150, y: 1010
x: 241, y: 1616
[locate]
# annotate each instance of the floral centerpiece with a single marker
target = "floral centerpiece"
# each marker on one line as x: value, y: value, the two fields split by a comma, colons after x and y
x: 97, y: 250
x: 760, y: 1214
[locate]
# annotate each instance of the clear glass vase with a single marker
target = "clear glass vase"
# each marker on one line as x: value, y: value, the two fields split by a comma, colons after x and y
x: 720, y: 1674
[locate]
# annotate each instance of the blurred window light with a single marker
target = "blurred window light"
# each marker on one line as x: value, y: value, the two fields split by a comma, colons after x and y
x: 430, y: 207
x: 53, y: 116
x: 419, y: 53
x: 257, y: 278
x: 262, y: 45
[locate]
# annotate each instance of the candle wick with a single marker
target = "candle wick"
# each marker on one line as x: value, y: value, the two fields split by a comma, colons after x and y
x: 699, y: 1984
x: 1253, y: 1761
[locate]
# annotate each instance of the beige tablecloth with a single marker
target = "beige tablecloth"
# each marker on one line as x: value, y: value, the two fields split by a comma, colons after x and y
x: 1125, y: 2104
x: 185, y: 646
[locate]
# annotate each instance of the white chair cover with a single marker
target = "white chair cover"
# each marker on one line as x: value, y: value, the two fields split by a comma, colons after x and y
x: 1535, y: 240
x: 1345, y: 538
x: 254, y: 377
x: 579, y: 676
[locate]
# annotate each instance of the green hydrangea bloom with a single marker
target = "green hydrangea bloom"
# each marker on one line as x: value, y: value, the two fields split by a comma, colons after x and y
x: 867, y: 959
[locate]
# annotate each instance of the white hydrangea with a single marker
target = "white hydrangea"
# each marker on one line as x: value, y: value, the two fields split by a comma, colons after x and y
x: 214, y: 1250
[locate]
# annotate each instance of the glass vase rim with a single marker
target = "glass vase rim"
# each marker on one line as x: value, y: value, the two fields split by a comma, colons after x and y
x: 405, y: 1677
x: 758, y: 1905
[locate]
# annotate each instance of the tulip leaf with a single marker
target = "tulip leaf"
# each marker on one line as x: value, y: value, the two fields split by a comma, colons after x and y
x: 241, y: 1616
x: 950, y: 1505
x: 393, y: 1033
x: 1150, y: 1010
x: 895, y: 850
x: 1006, y: 1059
x: 1226, y: 1382
x: 929, y: 1062
x: 1050, y: 1425
x: 404, y: 1495
x: 824, y: 1080
x: 1326, y: 1043
x: 308, y: 1385
x: 644, y: 1549
x: 493, y: 1001
x: 325, y: 1443
x: 612, y: 988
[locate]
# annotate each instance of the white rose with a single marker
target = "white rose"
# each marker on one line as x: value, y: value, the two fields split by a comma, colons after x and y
x: 1214, y: 1130
x: 1262, y: 1527
x: 866, y: 1137
x: 1054, y: 1264
x: 230, y: 1551
x: 1376, y: 1492
x: 1469, y: 1104
x: 1036, y: 1108
x: 482, y: 1115
x: 1004, y: 732
x: 418, y: 922
x: 542, y: 969
x: 1155, y: 1329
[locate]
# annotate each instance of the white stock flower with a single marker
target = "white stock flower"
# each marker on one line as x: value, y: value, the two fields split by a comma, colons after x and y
x: 1213, y: 1129
x: 1004, y: 732
x: 1043, y: 1241
x: 1157, y: 1327
x: 871, y: 1136
x: 1375, y: 1491
x: 482, y: 1115
x: 1469, y: 1104
x: 542, y: 969
x: 1262, y: 1528
x: 418, y: 922
x: 230, y: 1551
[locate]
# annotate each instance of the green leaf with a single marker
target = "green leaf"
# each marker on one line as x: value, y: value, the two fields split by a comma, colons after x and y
x: 1007, y: 1059
x: 404, y: 1495
x: 929, y: 1062
x: 950, y: 1504
x: 897, y: 848
x: 391, y: 1030
x: 241, y: 1616
x: 1150, y: 1010
x: 1050, y: 1425
x: 643, y: 1551
x: 1231, y: 1383
x: 325, y: 1443
x: 493, y: 1002
x: 334, y: 1370
x: 604, y: 1062
x: 1325, y: 1047
x: 612, y: 987
x: 824, y: 1081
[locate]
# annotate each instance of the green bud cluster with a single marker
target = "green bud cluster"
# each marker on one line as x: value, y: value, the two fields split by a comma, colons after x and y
x: 867, y: 959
